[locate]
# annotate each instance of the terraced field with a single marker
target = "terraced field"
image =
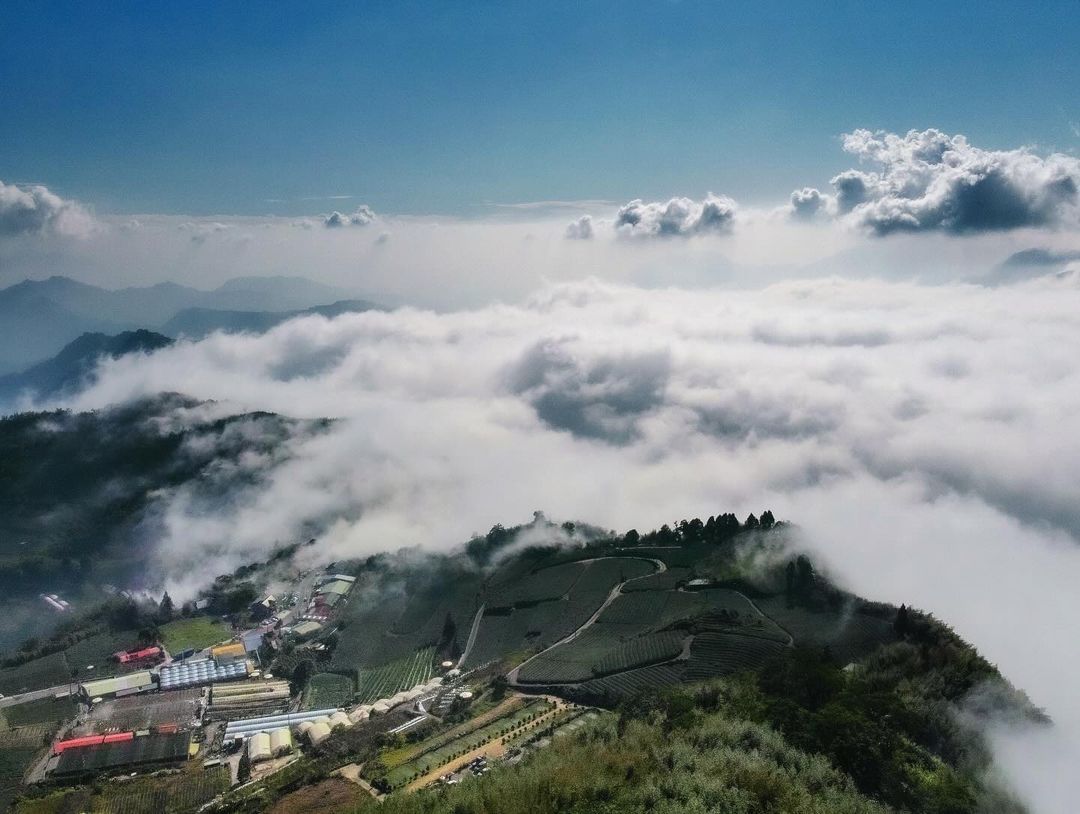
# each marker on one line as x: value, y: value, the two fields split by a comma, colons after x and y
x: 848, y: 633
x: 644, y: 650
x: 545, y: 584
x: 537, y: 626
x: 179, y: 793
x: 622, y: 685
x: 719, y: 654
x: 596, y: 652
x: 395, y: 676
x: 663, y: 581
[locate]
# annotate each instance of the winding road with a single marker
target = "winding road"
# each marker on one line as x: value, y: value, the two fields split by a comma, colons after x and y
x: 512, y: 676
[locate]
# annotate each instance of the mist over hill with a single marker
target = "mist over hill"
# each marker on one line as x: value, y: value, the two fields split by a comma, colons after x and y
x: 39, y: 317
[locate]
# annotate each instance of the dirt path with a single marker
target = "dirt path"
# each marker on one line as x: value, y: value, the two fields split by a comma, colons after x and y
x: 512, y: 676
x: 492, y: 749
x: 351, y: 772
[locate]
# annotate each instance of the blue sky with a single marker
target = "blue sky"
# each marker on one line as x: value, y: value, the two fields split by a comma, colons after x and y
x: 447, y: 107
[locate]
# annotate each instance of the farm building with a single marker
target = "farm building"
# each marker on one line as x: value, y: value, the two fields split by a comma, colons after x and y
x: 319, y: 732
x: 281, y: 741
x: 148, y: 655
x: 306, y: 629
x: 244, y: 728
x: 339, y: 718
x: 203, y: 671
x: 258, y: 747
x: 118, y: 686
x: 124, y: 750
x: 338, y: 587
x: 263, y: 608
x: 247, y: 698
x: 228, y: 653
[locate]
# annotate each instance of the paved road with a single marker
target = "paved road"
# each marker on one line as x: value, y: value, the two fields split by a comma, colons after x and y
x: 36, y: 695
x: 512, y: 676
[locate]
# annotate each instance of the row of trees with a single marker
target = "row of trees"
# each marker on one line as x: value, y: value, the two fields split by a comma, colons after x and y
x: 716, y: 529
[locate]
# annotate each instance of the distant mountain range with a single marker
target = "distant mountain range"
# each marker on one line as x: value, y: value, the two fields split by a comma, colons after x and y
x: 38, y: 318
x: 73, y: 366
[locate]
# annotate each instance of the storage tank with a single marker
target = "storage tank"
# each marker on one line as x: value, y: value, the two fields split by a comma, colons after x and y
x: 281, y: 741
x: 318, y: 733
x: 258, y: 747
x: 339, y: 718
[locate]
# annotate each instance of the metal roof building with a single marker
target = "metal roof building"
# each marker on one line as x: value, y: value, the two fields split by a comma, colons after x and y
x: 246, y: 727
x: 307, y: 629
x: 338, y: 586
x: 119, y: 685
x: 203, y: 671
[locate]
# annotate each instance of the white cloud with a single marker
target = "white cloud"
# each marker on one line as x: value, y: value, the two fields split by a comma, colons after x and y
x: 678, y: 217
x: 928, y: 180
x: 927, y: 438
x: 35, y: 209
x: 580, y: 229
x: 361, y: 217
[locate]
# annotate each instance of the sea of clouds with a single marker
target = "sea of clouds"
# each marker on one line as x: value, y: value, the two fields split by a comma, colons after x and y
x: 925, y: 438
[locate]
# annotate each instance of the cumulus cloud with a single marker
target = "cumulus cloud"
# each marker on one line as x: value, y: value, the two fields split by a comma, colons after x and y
x: 808, y: 203
x: 35, y: 209
x: 580, y: 229
x: 928, y: 180
x: 678, y: 217
x: 361, y: 217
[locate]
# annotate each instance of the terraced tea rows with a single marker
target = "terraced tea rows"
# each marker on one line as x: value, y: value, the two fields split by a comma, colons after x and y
x: 398, y: 675
x: 719, y: 654
x: 622, y: 685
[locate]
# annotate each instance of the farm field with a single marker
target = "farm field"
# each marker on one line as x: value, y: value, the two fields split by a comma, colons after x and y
x: 47, y: 671
x: 97, y: 650
x: 849, y: 634
x: 407, y: 772
x: 537, y: 626
x: 198, y: 632
x: 625, y: 684
x: 47, y: 711
x: 391, y: 678
x: 330, y: 796
x: 67, y: 801
x: 180, y: 793
x: 15, y: 759
x: 546, y: 584
x: 595, y: 652
x: 326, y: 690
x: 404, y: 754
x: 662, y: 581
x: 718, y: 654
